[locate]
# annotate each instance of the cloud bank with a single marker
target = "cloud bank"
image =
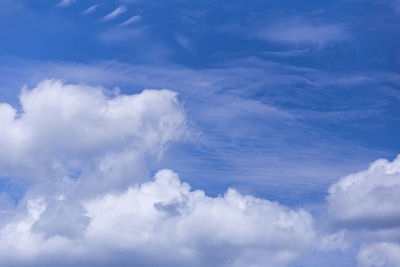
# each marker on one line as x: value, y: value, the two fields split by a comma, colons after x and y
x: 86, y: 151
x: 161, y: 223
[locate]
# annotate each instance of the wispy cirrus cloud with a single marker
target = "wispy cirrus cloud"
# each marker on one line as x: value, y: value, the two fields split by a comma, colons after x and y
x: 184, y: 41
x: 91, y: 9
x: 65, y: 3
x: 131, y: 20
x: 115, y: 13
x: 302, y: 31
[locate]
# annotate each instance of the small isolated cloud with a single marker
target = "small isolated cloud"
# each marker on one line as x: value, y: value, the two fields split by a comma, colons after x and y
x: 91, y: 9
x: 184, y: 41
x: 65, y: 3
x: 131, y: 20
x: 298, y: 31
x: 118, y: 11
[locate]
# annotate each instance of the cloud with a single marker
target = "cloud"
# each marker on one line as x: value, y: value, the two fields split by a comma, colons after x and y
x: 118, y: 11
x: 91, y: 9
x: 64, y: 129
x: 379, y: 254
x: 131, y: 20
x: 263, y: 151
x: 65, y: 3
x: 369, y: 198
x: 366, y: 204
x: 86, y: 150
x: 159, y: 223
x: 184, y: 41
x: 299, y: 31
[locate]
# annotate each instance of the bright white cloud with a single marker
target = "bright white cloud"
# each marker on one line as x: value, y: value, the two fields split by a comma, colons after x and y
x: 159, y: 223
x: 63, y: 129
x: 379, y: 254
x: 132, y: 20
x: 86, y: 149
x: 105, y: 137
x: 115, y: 13
x: 369, y: 198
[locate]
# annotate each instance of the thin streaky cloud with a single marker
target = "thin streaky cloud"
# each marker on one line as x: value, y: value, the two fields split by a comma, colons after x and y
x: 118, y: 11
x: 65, y: 3
x: 131, y: 20
x: 300, y: 31
x: 184, y: 41
x: 91, y: 9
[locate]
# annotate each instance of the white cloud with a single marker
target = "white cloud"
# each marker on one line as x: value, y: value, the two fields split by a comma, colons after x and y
x: 184, y: 41
x: 105, y: 137
x: 299, y: 31
x: 368, y: 199
x: 91, y: 9
x: 131, y: 20
x: 63, y: 129
x: 159, y: 223
x: 87, y: 148
x: 65, y: 3
x: 379, y: 254
x: 115, y: 13
x: 366, y: 204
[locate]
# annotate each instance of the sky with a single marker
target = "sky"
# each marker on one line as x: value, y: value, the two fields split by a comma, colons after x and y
x: 199, y: 133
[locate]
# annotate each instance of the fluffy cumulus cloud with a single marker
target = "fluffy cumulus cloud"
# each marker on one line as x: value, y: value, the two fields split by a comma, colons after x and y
x: 84, y: 151
x: 367, y: 204
x: 162, y: 223
x: 67, y: 129
x: 369, y: 198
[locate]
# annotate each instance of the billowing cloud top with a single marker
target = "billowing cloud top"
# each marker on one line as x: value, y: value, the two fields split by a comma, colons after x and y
x: 85, y: 152
x: 369, y: 198
x: 101, y: 214
x: 160, y: 223
x: 62, y: 129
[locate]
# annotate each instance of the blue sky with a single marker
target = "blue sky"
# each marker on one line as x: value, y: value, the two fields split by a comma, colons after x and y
x: 282, y: 99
